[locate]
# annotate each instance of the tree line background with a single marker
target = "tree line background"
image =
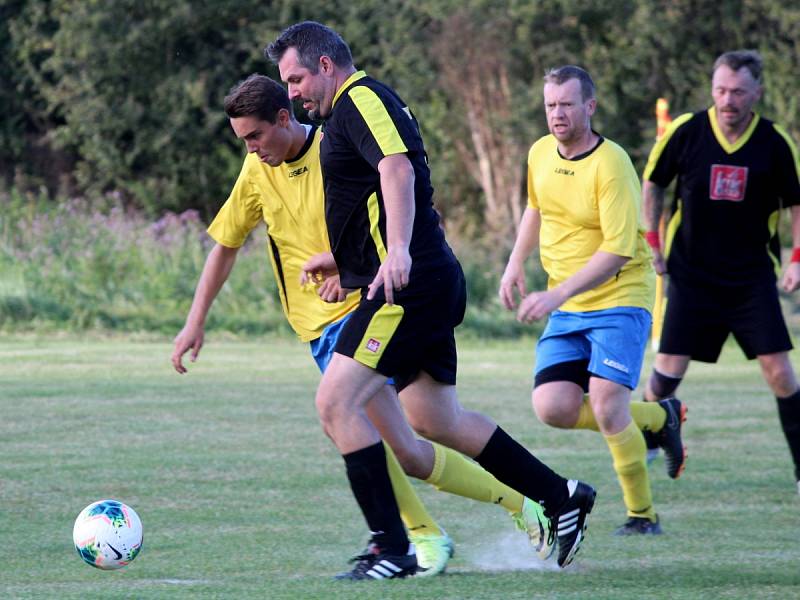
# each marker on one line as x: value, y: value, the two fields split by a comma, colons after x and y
x: 119, y: 103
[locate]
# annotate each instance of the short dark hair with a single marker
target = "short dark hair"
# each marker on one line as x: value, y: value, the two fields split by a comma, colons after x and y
x: 736, y: 59
x: 563, y: 74
x: 257, y: 96
x: 311, y: 40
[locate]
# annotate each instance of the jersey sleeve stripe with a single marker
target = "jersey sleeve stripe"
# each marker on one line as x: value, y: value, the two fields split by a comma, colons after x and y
x: 378, y: 120
x: 655, y: 154
x: 789, y: 142
x: 374, y: 212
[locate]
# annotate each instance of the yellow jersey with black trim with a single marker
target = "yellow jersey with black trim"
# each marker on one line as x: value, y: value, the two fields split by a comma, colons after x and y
x: 588, y: 204
x: 289, y: 199
x: 728, y: 196
x: 367, y: 123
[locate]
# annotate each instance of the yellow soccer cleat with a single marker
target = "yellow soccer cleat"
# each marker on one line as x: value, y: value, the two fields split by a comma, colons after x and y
x: 433, y: 552
x: 532, y: 521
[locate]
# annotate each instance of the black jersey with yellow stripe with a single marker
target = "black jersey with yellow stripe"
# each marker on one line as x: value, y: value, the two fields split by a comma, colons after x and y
x: 368, y: 122
x: 728, y: 198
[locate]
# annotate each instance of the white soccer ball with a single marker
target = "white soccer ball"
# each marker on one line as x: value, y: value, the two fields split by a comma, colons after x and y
x: 108, y: 534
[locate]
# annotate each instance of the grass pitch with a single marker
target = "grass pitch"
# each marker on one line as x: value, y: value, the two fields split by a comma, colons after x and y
x: 242, y: 496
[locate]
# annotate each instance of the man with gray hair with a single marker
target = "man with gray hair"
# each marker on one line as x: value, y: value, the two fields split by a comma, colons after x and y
x: 736, y: 171
x: 583, y: 214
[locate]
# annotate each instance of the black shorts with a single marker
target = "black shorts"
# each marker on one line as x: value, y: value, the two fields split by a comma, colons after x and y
x: 415, y: 333
x: 699, y: 318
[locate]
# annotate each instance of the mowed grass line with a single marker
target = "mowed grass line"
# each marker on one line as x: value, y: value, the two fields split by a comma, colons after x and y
x: 242, y: 496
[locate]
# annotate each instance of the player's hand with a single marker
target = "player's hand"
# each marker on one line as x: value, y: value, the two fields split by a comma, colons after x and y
x: 659, y: 264
x: 331, y: 291
x: 392, y: 275
x: 513, y: 279
x: 537, y: 305
x: 791, y: 277
x: 318, y: 268
x: 190, y: 338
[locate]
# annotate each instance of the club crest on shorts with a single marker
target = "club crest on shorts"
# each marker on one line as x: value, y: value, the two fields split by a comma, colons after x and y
x: 373, y: 345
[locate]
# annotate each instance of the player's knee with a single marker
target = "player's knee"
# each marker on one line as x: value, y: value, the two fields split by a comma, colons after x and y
x: 781, y: 379
x: 327, y: 409
x: 551, y: 414
x: 663, y: 386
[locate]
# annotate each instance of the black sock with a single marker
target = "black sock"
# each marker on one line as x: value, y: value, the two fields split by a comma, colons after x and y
x: 789, y: 413
x: 369, y: 479
x: 512, y: 464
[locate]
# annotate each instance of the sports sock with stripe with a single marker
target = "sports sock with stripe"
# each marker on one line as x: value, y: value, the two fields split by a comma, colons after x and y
x: 628, y: 453
x: 415, y: 516
x: 648, y: 416
x: 456, y: 474
x: 511, y: 463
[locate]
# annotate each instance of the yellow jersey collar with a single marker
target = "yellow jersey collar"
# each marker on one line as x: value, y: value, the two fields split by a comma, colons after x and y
x: 348, y: 82
x: 723, y: 141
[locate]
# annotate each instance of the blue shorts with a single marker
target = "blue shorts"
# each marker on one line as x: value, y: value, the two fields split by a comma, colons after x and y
x: 322, y: 348
x: 611, y: 341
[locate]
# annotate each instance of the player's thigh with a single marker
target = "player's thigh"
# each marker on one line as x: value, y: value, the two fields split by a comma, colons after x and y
x: 346, y: 386
x: 610, y: 403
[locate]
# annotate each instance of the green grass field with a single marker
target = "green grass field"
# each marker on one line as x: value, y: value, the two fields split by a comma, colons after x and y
x: 242, y: 496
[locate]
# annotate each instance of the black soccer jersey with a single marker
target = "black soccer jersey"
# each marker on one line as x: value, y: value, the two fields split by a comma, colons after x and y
x: 727, y: 198
x: 368, y: 122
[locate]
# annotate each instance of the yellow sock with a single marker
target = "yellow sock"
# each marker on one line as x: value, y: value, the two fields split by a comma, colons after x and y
x: 456, y: 474
x: 647, y: 416
x: 628, y: 452
x: 415, y: 516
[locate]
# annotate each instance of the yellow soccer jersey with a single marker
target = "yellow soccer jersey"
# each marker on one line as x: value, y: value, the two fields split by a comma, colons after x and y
x: 587, y: 204
x: 289, y: 198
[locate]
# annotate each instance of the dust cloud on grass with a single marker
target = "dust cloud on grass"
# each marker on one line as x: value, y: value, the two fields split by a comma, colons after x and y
x: 507, y: 551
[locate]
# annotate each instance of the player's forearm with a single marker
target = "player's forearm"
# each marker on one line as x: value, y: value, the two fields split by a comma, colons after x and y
x: 652, y: 205
x: 528, y: 236
x: 215, y: 273
x: 397, y: 188
x: 600, y: 268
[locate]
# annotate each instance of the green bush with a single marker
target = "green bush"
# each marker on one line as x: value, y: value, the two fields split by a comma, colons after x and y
x: 81, y: 264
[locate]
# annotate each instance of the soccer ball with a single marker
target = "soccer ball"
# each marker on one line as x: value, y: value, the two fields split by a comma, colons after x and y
x: 108, y: 534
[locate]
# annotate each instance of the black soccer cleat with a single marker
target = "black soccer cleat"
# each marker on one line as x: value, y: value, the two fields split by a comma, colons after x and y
x: 669, y: 436
x: 639, y: 526
x: 376, y: 564
x: 570, y: 521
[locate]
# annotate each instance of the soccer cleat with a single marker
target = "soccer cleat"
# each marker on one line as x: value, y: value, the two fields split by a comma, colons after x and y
x: 433, y: 552
x: 639, y: 526
x: 376, y: 564
x: 532, y: 521
x: 669, y: 436
x: 570, y: 520
x: 652, y: 445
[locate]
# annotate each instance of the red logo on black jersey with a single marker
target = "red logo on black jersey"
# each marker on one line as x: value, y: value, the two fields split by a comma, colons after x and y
x: 728, y: 183
x: 373, y: 345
